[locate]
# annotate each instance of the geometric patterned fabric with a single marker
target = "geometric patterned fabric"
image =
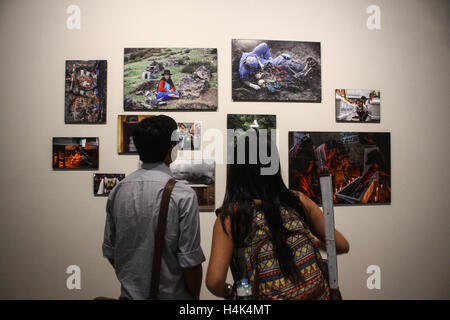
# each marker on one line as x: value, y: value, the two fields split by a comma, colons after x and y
x: 261, y: 264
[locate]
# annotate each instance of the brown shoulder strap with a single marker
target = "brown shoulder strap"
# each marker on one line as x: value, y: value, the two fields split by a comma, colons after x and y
x: 159, y: 239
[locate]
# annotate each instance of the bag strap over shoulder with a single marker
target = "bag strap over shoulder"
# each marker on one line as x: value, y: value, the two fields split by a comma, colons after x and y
x: 159, y: 239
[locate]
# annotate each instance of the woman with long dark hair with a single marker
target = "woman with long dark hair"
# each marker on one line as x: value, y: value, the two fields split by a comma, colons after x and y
x: 268, y: 234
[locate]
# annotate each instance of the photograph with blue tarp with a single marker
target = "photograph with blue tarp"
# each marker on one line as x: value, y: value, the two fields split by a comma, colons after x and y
x: 267, y: 70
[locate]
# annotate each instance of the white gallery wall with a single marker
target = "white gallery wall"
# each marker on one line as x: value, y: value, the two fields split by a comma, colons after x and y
x: 50, y: 219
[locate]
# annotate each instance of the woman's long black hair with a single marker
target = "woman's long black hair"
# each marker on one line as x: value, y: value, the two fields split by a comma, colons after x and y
x: 245, y: 183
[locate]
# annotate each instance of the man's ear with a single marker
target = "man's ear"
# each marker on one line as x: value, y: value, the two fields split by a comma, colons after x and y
x: 171, y: 154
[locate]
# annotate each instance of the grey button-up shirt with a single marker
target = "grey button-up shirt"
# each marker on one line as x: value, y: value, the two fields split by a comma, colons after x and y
x: 131, y: 218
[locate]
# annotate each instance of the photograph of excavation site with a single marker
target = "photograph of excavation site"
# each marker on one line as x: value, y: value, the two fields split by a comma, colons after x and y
x: 170, y: 79
x: 268, y: 70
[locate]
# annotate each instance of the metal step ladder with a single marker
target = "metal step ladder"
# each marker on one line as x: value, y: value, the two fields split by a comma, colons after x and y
x: 328, y: 212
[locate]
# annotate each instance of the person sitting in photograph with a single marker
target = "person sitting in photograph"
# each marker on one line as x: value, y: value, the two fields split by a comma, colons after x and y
x: 166, y: 88
x: 361, y: 110
x: 267, y: 234
x: 365, y: 101
x: 251, y: 63
x: 132, y: 212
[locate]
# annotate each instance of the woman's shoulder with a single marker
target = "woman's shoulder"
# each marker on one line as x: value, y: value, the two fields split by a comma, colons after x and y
x: 304, y: 199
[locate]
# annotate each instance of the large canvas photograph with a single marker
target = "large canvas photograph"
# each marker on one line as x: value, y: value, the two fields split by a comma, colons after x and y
x: 104, y: 183
x: 85, y: 92
x: 272, y: 70
x: 170, y: 79
x: 359, y: 163
x: 200, y: 175
x: 358, y: 105
x: 75, y: 153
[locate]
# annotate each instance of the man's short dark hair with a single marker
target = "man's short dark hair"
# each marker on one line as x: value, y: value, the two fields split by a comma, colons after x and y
x: 153, y: 137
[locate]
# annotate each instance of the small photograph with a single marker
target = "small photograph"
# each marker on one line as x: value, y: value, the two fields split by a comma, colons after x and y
x: 85, y: 92
x: 189, y: 135
x: 359, y: 163
x: 268, y: 70
x: 250, y: 121
x: 75, y: 153
x: 170, y: 79
x: 200, y: 175
x: 357, y: 105
x: 104, y: 183
x: 125, y: 127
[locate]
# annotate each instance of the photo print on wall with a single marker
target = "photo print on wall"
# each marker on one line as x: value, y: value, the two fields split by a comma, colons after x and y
x: 188, y: 134
x: 357, y: 105
x: 170, y: 79
x: 246, y: 122
x: 104, y: 183
x: 200, y: 175
x: 85, y: 92
x: 359, y: 163
x: 75, y: 153
x: 268, y: 70
x: 125, y: 127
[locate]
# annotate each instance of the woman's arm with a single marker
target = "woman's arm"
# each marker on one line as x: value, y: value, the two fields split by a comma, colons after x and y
x: 219, y: 261
x: 317, y: 225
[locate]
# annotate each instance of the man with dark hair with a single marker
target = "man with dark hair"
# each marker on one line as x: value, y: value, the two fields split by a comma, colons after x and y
x: 132, y: 216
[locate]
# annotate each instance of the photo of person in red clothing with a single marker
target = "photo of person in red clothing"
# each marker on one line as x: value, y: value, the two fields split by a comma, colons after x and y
x: 158, y: 79
x: 166, y: 88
